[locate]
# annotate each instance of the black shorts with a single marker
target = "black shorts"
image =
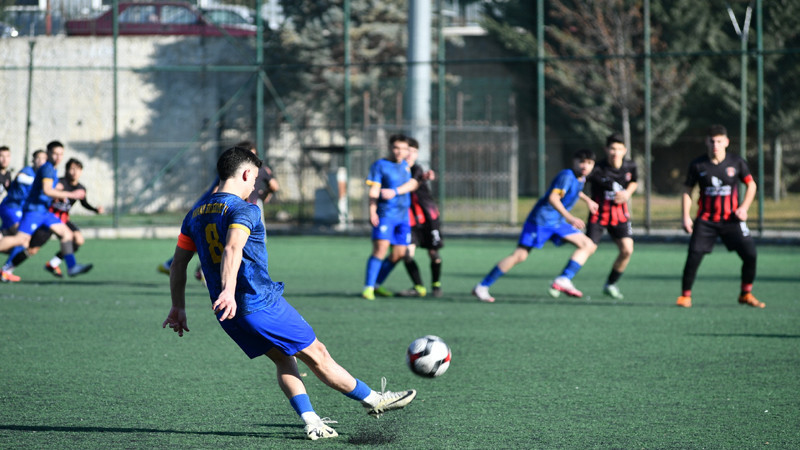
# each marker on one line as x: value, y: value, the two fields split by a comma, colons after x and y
x: 427, y: 235
x: 618, y: 231
x: 42, y: 234
x: 735, y: 235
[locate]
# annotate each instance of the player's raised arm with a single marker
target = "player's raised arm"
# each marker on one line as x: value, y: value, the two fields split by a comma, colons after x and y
x: 229, y: 270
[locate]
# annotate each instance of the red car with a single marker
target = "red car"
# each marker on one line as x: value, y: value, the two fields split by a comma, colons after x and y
x: 155, y: 18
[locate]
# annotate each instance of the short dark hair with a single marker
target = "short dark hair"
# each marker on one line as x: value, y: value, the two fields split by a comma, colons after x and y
x: 74, y: 161
x: 717, y: 130
x: 249, y: 145
x: 4, y: 148
x: 615, y: 138
x: 53, y: 144
x: 584, y: 154
x: 36, y: 153
x: 413, y: 143
x: 398, y: 138
x: 233, y: 158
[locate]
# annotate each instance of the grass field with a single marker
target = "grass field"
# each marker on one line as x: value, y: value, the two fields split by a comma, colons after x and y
x: 85, y: 363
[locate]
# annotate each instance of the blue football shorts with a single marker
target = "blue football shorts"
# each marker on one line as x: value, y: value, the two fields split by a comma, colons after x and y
x: 535, y: 236
x: 279, y: 326
x: 10, y: 215
x: 31, y: 220
x: 396, y: 231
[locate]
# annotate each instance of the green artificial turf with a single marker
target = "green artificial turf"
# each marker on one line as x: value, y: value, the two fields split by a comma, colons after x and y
x: 86, y: 364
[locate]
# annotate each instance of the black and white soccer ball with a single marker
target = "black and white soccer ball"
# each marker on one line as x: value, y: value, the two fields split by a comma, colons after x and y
x: 428, y: 356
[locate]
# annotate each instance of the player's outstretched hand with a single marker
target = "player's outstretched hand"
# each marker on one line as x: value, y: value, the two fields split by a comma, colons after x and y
x: 176, y: 319
x: 688, y: 225
x: 226, y: 303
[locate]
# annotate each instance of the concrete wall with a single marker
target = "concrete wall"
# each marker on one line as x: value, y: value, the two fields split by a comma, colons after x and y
x: 160, y: 113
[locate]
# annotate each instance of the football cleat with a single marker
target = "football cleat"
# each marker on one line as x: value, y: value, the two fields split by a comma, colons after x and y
x: 55, y: 270
x: 437, y: 291
x: 564, y: 284
x: 8, y: 277
x: 751, y: 300
x: 416, y: 291
x: 78, y: 269
x: 389, y: 401
x: 381, y: 291
x: 369, y: 293
x: 612, y: 291
x: 482, y: 292
x: 684, y: 301
x: 163, y: 268
x: 320, y: 430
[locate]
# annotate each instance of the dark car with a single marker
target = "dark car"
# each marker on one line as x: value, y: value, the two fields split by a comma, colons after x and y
x: 154, y: 18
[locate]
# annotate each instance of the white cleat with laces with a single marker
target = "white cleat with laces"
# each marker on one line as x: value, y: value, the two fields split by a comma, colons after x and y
x: 389, y: 401
x: 564, y: 284
x: 321, y: 430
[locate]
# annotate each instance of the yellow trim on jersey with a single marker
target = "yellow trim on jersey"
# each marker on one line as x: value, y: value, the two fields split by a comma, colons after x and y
x: 373, y: 183
x: 240, y: 227
x: 560, y: 192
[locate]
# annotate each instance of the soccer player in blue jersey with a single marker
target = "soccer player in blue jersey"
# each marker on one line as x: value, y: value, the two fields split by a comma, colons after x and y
x: 227, y: 233
x: 550, y: 220
x: 389, y: 183
x: 18, y: 190
x: 35, y: 212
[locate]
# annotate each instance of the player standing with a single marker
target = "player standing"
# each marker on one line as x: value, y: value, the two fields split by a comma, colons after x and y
x: 425, y: 228
x: 550, y: 220
x: 36, y: 214
x: 613, y: 182
x: 719, y: 214
x: 389, y: 183
x: 230, y: 240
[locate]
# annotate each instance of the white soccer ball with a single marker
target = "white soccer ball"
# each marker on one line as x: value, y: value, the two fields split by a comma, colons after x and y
x: 428, y: 356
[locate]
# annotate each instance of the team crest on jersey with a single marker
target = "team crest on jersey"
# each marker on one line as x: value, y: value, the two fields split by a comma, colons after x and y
x: 730, y: 171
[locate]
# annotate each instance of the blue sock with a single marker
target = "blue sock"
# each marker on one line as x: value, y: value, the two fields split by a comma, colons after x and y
x: 386, y: 269
x: 373, y: 267
x: 168, y: 263
x: 70, y: 259
x: 360, y: 392
x: 492, y: 276
x: 571, y: 269
x: 301, y: 404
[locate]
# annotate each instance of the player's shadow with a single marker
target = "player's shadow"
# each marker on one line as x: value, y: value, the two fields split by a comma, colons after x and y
x: 750, y: 335
x: 283, y: 431
x: 84, y: 282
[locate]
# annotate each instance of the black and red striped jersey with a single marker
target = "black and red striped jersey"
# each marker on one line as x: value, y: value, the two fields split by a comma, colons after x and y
x: 61, y: 207
x: 719, y: 186
x: 606, y: 181
x: 423, y: 206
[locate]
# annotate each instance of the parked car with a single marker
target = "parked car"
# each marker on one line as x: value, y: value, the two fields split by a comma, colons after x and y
x: 154, y: 18
x: 7, y: 30
x: 230, y: 15
x: 32, y: 20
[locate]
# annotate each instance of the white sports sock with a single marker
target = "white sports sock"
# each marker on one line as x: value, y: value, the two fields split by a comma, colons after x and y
x: 55, y: 262
x: 310, y: 417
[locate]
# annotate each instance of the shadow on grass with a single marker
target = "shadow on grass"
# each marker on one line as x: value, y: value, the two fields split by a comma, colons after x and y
x: 753, y: 335
x: 68, y: 429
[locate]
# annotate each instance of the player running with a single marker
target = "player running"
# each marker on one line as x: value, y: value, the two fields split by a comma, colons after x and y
x: 230, y: 240
x: 389, y: 183
x: 550, y: 220
x: 61, y: 208
x: 613, y: 182
x: 36, y: 214
x: 18, y: 190
x: 719, y: 214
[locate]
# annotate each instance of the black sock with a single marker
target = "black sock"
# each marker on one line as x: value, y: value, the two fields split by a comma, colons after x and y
x: 436, y: 272
x: 19, y: 258
x: 613, y: 277
x: 413, y: 271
